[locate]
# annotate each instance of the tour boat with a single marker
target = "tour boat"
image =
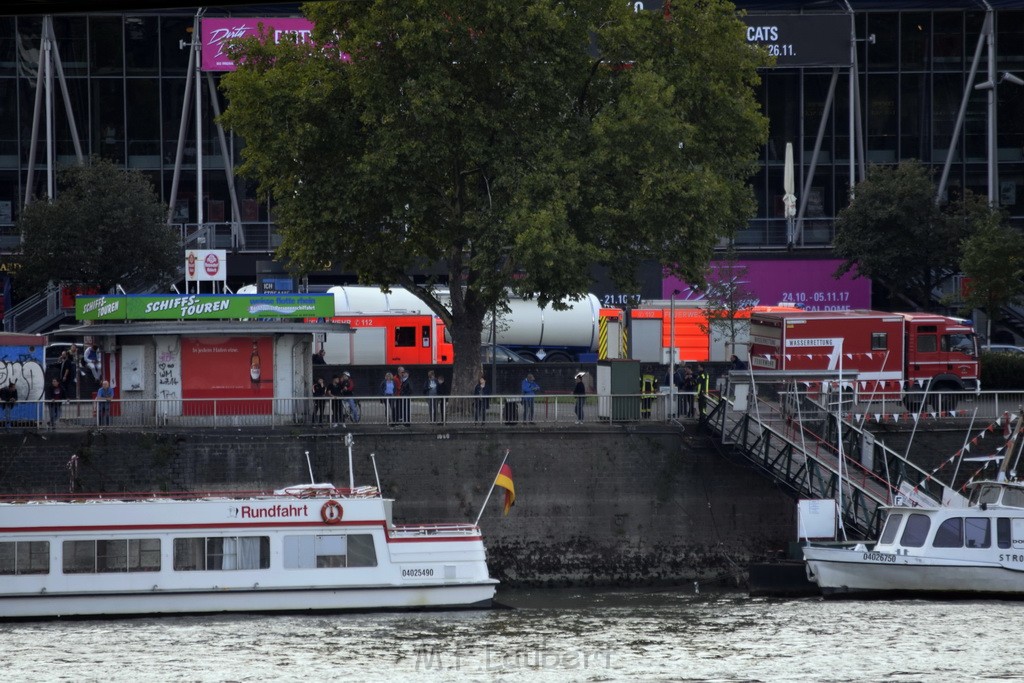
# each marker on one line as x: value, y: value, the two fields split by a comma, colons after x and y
x: 977, y: 551
x: 300, y: 549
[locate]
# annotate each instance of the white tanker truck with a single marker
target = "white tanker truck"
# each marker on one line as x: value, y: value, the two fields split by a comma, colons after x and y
x: 543, y: 334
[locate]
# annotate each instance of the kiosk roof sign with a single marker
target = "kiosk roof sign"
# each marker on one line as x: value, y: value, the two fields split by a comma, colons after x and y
x: 802, y: 39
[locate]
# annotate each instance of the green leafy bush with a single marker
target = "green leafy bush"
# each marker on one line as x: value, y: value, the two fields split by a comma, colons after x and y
x: 1002, y: 371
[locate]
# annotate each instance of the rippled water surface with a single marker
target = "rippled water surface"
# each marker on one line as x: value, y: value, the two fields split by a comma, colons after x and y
x: 547, y: 635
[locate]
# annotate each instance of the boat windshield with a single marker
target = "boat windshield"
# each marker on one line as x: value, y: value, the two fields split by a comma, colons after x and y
x: 892, y: 525
x: 987, y: 494
x: 1013, y: 497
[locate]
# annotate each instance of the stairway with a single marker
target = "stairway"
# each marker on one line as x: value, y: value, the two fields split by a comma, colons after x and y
x: 797, y: 449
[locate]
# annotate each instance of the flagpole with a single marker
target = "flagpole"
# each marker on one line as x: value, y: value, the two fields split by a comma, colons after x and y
x: 490, y: 490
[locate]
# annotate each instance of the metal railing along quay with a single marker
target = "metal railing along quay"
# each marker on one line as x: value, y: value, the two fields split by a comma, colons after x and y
x: 128, y: 414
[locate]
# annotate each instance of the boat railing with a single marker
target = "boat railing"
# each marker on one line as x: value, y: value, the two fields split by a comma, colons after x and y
x: 424, y: 530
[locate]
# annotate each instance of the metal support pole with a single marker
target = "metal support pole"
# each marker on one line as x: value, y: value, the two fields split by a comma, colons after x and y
x: 238, y: 236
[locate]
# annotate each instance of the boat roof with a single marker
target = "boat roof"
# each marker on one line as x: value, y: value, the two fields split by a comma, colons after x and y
x: 300, y: 491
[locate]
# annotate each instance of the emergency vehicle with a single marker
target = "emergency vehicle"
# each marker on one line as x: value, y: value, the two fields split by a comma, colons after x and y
x: 905, y: 355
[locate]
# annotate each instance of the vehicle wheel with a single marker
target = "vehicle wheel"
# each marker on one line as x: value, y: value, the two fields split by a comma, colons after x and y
x: 529, y: 355
x: 557, y: 357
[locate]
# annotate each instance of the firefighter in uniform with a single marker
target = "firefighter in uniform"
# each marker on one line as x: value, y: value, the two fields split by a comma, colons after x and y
x: 648, y: 389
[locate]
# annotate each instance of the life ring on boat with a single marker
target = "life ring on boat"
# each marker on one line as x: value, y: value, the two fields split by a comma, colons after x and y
x: 331, y: 512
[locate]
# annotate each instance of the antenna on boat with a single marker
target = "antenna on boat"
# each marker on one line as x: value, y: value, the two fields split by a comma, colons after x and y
x: 351, y: 475
x: 376, y: 475
x: 312, y: 479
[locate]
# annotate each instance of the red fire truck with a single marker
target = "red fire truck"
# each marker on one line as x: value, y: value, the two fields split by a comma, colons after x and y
x: 893, y: 354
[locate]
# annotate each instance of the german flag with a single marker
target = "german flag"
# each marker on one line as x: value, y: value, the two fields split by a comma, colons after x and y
x: 504, y: 480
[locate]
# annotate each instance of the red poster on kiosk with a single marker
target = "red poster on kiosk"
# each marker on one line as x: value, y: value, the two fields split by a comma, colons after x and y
x: 224, y: 368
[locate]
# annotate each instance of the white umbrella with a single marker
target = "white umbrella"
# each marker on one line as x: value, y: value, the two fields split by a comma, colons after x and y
x: 789, y: 199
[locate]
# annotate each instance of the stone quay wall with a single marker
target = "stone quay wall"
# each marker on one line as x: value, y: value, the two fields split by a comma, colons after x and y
x: 595, y: 506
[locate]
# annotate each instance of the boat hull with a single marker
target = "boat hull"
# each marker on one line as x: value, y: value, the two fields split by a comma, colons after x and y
x: 467, y: 596
x: 841, y: 572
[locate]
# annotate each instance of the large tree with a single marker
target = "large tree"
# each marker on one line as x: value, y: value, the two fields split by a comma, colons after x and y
x: 993, y: 260
x: 896, y: 234
x: 516, y: 143
x: 106, y: 227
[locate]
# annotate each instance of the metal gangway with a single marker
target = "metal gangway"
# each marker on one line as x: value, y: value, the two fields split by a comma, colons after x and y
x: 793, y: 437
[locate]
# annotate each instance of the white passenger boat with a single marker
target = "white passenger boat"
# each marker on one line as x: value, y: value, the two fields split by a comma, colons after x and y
x: 977, y: 551
x: 302, y: 549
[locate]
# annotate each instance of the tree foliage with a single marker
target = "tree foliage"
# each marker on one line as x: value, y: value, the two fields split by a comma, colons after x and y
x: 993, y: 260
x: 106, y: 226
x: 532, y: 138
x: 895, y: 233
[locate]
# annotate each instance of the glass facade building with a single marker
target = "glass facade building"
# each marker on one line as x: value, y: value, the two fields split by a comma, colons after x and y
x: 126, y: 77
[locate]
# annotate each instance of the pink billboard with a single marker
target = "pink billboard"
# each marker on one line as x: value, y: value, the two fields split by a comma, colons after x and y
x: 218, y: 31
x: 806, y: 283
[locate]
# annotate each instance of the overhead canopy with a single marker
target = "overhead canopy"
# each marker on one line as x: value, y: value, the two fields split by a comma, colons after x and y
x: 201, y: 328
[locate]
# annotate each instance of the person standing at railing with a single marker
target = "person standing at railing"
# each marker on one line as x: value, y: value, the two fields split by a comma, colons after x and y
x: 580, y: 391
x: 319, y: 399
x: 55, y: 399
x: 348, y: 388
x: 444, y: 390
x: 405, y: 403
x: 104, y: 397
x: 389, y: 390
x: 530, y: 389
x: 688, y: 387
x: 483, y: 401
x: 430, y: 389
x: 334, y: 392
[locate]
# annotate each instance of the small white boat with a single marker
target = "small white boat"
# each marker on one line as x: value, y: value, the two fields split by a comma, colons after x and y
x: 977, y: 551
x: 301, y: 549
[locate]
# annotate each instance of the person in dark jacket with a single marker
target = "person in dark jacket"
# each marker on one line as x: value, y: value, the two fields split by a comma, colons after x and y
x: 580, y: 391
x: 483, y: 401
x: 8, y: 399
x: 444, y: 390
x: 319, y: 399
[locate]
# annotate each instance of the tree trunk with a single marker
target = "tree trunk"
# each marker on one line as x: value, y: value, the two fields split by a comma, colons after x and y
x: 466, y: 337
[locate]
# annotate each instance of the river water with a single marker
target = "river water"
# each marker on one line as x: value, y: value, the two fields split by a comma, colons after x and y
x: 547, y: 635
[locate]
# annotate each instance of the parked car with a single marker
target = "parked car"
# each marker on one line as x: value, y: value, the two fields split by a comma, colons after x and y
x: 503, y: 355
x: 1002, y: 348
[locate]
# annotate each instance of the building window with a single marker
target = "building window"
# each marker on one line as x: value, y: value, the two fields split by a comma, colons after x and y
x: 101, y: 556
x: 25, y: 557
x: 216, y: 553
x: 319, y: 551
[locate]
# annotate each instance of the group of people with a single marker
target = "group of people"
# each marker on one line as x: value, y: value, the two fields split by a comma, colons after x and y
x: 339, y: 394
x: 335, y: 400
x: 690, y: 384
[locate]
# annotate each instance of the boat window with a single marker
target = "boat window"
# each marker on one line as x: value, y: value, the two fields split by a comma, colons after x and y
x: 101, y: 556
x: 25, y: 557
x: 1003, y: 532
x: 950, y: 534
x: 1017, y: 533
x: 221, y: 553
x: 892, y: 525
x: 915, y: 531
x: 976, y: 532
x: 1013, y: 497
x: 321, y: 551
x: 988, y: 494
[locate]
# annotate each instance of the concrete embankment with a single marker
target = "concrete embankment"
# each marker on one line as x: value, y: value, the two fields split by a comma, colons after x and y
x: 600, y: 505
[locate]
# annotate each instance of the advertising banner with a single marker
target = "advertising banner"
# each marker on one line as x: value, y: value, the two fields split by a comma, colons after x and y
x: 819, y: 39
x: 217, y: 31
x: 206, y: 265
x: 204, y: 306
x: 807, y: 284
x: 227, y: 368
